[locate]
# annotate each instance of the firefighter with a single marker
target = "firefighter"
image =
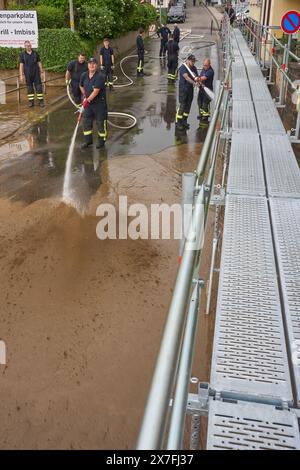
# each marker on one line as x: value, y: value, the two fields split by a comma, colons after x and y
x: 230, y: 12
x: 141, y: 53
x: 107, y: 63
x: 163, y: 33
x: 92, y: 86
x: 173, y: 50
x: 206, y: 78
x: 176, y: 33
x: 74, y: 71
x: 187, y: 81
x: 31, y: 69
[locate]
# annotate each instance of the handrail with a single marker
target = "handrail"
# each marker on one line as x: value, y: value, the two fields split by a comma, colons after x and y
x: 50, y: 69
x: 155, y: 416
x: 24, y: 87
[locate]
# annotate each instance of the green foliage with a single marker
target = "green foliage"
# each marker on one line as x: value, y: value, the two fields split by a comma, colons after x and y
x: 142, y: 16
x: 9, y: 58
x: 67, y: 47
x: 96, y: 22
x: 49, y: 16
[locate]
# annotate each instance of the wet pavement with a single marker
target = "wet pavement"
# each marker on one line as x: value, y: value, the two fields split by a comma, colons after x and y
x: 32, y: 164
x: 82, y: 318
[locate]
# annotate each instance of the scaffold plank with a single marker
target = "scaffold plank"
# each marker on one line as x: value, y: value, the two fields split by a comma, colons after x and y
x: 251, y: 426
x: 285, y: 215
x: 246, y: 168
x: 282, y: 170
x: 243, y: 116
x: 249, y: 354
x: 269, y: 121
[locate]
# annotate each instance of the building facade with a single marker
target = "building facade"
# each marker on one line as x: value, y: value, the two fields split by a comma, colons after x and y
x: 270, y: 12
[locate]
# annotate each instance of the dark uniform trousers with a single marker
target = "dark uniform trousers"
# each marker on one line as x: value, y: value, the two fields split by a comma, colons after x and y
x: 76, y: 91
x: 141, y: 61
x: 34, y: 82
x: 172, y: 67
x: 95, y: 112
x: 186, y: 96
x: 204, y: 104
x: 108, y: 76
x: 163, y: 47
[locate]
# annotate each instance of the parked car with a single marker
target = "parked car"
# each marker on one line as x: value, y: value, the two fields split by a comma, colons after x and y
x: 176, y: 14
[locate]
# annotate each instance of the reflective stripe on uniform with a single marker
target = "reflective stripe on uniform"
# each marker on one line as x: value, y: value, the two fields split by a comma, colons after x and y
x: 103, y: 135
x: 178, y: 116
x: 87, y: 132
x: 185, y: 114
x: 140, y: 67
x: 30, y: 97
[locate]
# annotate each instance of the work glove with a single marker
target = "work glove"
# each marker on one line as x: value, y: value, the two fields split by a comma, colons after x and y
x: 113, y: 67
x: 68, y: 82
x: 102, y: 67
x: 85, y: 103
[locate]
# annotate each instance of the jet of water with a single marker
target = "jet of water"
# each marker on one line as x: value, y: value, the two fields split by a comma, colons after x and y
x: 67, y: 189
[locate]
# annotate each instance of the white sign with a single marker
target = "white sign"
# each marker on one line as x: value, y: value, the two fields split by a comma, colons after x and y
x: 17, y: 27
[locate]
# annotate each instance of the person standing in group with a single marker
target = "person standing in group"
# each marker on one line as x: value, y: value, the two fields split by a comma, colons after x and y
x: 92, y: 86
x: 176, y: 33
x: 173, y: 50
x: 188, y: 74
x: 230, y: 12
x: 163, y: 33
x: 31, y: 69
x: 107, y: 63
x: 73, y: 74
x: 206, y: 79
x: 194, y: 3
x: 141, y: 53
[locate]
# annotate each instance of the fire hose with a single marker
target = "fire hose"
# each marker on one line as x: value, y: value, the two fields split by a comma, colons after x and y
x: 111, y: 114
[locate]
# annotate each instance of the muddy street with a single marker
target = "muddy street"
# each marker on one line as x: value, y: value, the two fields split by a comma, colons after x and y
x: 82, y: 318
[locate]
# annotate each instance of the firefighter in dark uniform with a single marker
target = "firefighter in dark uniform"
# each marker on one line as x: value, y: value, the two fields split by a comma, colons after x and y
x: 163, y: 33
x: 31, y: 69
x: 107, y: 63
x: 141, y: 53
x: 186, y: 92
x: 73, y: 74
x: 92, y: 86
x: 173, y: 50
x: 176, y: 33
x: 206, y: 78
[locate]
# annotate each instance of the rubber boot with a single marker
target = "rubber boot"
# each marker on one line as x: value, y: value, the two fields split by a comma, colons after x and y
x: 100, y: 143
x: 41, y: 103
x: 88, y: 142
x: 31, y: 103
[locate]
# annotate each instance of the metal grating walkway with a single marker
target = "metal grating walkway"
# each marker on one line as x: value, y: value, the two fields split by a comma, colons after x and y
x: 268, y: 118
x: 249, y: 355
x: 239, y: 71
x: 286, y: 221
x: 246, y: 169
x: 241, y: 90
x: 282, y: 171
x: 248, y: 426
x: 257, y: 331
x: 260, y: 92
x: 243, y: 116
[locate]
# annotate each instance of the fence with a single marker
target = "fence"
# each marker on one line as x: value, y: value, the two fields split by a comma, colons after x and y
x: 173, y: 368
x: 265, y: 46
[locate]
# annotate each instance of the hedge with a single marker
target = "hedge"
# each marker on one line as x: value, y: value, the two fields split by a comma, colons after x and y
x: 49, y: 16
x: 56, y: 48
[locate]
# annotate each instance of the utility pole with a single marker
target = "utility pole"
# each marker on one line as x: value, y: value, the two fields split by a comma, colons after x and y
x: 72, y: 26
